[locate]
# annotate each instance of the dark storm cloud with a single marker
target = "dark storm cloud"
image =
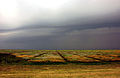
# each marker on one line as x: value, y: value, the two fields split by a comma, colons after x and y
x: 85, y: 39
x: 77, y: 24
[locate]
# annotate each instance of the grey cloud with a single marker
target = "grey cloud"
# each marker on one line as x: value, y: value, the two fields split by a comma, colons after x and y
x: 78, y: 11
x: 87, y: 39
x: 77, y: 24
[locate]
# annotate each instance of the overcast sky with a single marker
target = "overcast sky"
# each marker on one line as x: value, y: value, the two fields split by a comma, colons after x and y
x: 59, y: 24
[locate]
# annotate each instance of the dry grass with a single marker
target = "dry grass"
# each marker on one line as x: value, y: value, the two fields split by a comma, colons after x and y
x: 70, y: 55
x: 71, y: 70
x: 61, y: 71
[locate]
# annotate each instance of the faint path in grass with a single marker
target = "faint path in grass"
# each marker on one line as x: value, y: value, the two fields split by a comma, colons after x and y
x: 62, y: 56
x: 101, y: 60
x: 40, y: 55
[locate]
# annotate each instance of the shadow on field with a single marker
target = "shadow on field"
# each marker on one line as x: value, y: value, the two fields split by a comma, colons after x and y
x: 7, y: 58
x: 47, y: 63
x: 77, y: 63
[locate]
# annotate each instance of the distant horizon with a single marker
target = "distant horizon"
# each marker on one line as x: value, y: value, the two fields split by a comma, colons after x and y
x: 62, y: 49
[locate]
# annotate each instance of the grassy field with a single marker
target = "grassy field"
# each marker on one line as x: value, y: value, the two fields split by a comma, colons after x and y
x: 85, y: 56
x: 59, y: 63
x: 60, y: 71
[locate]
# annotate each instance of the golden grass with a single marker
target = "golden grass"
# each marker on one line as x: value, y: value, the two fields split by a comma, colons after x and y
x: 62, y: 71
x: 80, y: 59
x: 25, y: 56
x: 72, y: 55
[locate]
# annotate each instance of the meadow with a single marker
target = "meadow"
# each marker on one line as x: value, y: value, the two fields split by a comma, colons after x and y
x: 59, y: 63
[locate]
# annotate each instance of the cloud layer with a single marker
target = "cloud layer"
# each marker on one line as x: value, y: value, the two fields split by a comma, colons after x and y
x: 75, y: 24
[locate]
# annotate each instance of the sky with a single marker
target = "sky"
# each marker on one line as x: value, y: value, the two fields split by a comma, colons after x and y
x: 59, y: 24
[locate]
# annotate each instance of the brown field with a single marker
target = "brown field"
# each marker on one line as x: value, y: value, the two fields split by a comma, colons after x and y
x: 67, y: 55
x: 60, y: 71
x: 59, y: 63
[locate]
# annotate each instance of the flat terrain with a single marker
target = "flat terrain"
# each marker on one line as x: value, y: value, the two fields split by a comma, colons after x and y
x: 59, y: 63
x: 63, y: 56
x: 60, y: 71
